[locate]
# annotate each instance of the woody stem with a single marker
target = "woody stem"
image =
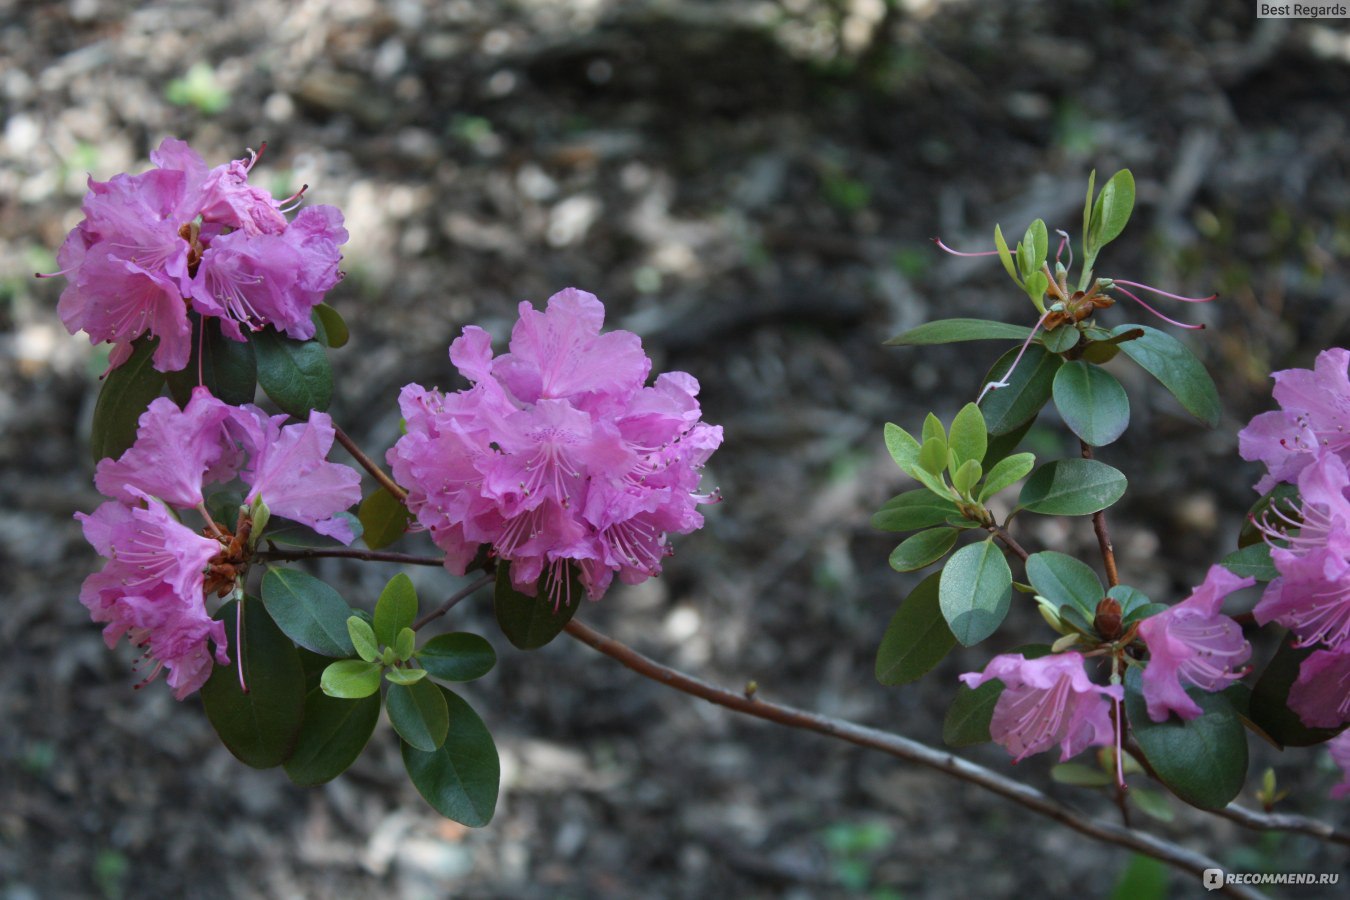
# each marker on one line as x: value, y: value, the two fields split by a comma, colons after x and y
x: 369, y: 464
x: 1103, y: 535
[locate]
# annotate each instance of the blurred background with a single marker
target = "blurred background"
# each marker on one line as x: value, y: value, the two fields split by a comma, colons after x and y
x: 751, y: 187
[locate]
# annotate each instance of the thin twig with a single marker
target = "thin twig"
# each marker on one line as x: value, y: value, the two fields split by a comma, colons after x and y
x: 1103, y: 535
x: 347, y: 553
x: 906, y: 749
x: 369, y: 464
x: 1257, y: 821
x: 1008, y: 541
x: 450, y: 601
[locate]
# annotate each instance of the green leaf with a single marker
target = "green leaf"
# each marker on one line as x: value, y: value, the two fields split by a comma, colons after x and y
x: 1072, y: 487
x: 1039, y: 240
x: 1176, y: 368
x: 1029, y: 386
x: 457, y: 656
x: 917, y: 637
x: 384, y: 517
x: 1134, y: 603
x: 335, y: 329
x: 968, y: 438
x: 1112, y: 211
x: 1008, y: 471
x: 404, y: 676
x: 531, y: 622
x: 419, y: 714
x: 229, y: 369
x: 933, y: 431
x: 933, y: 456
x: 951, y: 331
x: 1087, y: 213
x: 1203, y: 761
x: 965, y: 478
x: 405, y: 644
x: 259, y: 727
x: 922, y: 549
x: 1092, y: 402
x: 968, y: 718
x: 333, y: 734
x: 1155, y: 805
x: 396, y: 609
x: 1252, y: 562
x: 975, y: 591
x: 459, y: 779
x: 1001, y: 446
x: 295, y: 374
x: 1283, y: 497
x: 1062, y: 339
x: 308, y: 610
x: 1269, y: 706
x: 1065, y: 581
x: 294, y: 534
x: 903, y: 448
x: 913, y: 509
x: 1079, y: 775
x: 351, y: 679
x: 363, y: 638
x: 1005, y: 255
x: 1098, y: 352
x: 126, y: 393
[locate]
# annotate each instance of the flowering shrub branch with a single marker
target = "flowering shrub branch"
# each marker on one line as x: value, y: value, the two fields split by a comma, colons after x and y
x: 560, y: 468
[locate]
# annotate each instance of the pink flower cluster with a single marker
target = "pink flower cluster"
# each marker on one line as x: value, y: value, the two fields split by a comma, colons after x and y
x: 1306, y: 443
x: 179, y: 237
x: 153, y: 587
x: 558, y: 453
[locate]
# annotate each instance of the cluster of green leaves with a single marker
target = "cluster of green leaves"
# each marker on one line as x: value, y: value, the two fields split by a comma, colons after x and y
x: 314, y: 668
x: 296, y: 375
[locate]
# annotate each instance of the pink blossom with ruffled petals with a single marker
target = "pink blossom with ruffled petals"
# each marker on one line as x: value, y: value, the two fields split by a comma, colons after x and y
x: 1312, y: 595
x: 179, y: 237
x: 288, y: 469
x: 1047, y: 701
x: 1321, y: 695
x: 176, y: 452
x: 1339, y: 746
x: 557, y: 454
x: 1193, y: 644
x: 1315, y: 418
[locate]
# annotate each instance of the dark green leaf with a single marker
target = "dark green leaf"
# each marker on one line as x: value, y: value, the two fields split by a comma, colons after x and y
x: 334, y: 328
x: 1269, y: 705
x: 295, y: 374
x: 1062, y: 339
x: 1176, y: 368
x: 396, y: 609
x: 968, y: 718
x: 1155, y: 805
x: 913, y: 509
x: 384, y: 518
x: 923, y: 549
x: 1252, y: 562
x: 1144, y: 878
x: 294, y: 534
x: 457, y: 656
x: 228, y: 368
x: 259, y: 727
x: 1092, y: 402
x: 531, y: 622
x: 1029, y: 386
x: 1065, y: 581
x: 1072, y: 487
x: 351, y: 679
x: 126, y: 393
x: 975, y: 591
x: 419, y: 714
x: 460, y: 779
x: 1001, y: 446
x: 308, y: 610
x: 1134, y: 604
x: 948, y: 331
x: 334, y: 733
x: 224, y: 508
x: 1203, y: 761
x: 917, y: 637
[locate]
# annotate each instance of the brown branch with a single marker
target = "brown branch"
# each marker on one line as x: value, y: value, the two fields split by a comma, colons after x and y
x: 347, y: 553
x: 909, y: 750
x: 369, y: 464
x: 1103, y: 535
x: 1250, y: 818
x: 450, y: 601
x: 1015, y: 548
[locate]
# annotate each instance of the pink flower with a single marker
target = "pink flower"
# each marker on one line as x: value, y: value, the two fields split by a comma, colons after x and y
x: 1314, y: 418
x: 1047, y: 701
x: 557, y: 453
x: 1321, y: 695
x: 288, y: 469
x: 1193, y: 644
x: 1312, y: 595
x: 1340, y: 754
x: 151, y: 589
x: 179, y: 237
